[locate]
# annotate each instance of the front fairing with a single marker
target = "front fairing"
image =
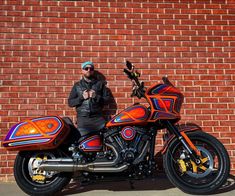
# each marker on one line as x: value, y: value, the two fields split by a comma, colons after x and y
x: 165, y: 102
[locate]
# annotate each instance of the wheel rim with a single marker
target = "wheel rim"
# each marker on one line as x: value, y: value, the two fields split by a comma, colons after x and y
x: 34, y: 176
x: 206, y: 166
x: 201, y: 178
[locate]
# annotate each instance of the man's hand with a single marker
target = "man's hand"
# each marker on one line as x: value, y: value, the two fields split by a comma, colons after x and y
x: 85, y: 94
x: 92, y: 94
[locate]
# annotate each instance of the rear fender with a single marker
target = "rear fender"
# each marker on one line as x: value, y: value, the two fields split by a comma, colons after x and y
x: 182, y: 128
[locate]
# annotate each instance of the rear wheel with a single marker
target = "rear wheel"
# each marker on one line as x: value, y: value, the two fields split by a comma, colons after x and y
x: 190, y: 177
x: 36, y: 182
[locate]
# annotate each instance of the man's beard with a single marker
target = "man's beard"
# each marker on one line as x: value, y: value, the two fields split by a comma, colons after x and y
x: 89, y: 77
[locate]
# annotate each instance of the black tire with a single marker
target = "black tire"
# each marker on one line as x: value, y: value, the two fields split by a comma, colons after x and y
x: 31, y: 187
x: 186, y: 181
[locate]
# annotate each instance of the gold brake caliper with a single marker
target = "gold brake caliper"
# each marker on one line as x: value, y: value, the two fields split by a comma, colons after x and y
x: 39, y: 176
x: 184, y: 166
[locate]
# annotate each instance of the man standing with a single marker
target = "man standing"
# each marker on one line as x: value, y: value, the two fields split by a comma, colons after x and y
x: 88, y: 96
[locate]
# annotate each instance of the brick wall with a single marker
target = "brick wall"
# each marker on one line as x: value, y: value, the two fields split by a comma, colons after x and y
x: 42, y: 44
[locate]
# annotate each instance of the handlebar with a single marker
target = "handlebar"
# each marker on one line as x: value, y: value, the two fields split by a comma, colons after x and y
x: 139, y: 91
x: 133, y: 76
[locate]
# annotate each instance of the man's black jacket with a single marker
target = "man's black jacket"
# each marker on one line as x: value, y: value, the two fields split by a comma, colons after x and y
x: 90, y: 107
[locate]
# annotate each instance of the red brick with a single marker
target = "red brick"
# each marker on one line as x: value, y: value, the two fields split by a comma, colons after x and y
x: 18, y: 101
x: 36, y: 101
x: 55, y: 101
x: 36, y: 113
x: 225, y: 111
x: 9, y: 119
x: 27, y: 94
x: 6, y: 170
x: 28, y: 107
x: 47, y: 107
x: 17, y: 113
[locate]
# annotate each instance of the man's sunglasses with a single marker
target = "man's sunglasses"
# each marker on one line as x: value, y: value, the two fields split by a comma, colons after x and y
x: 89, y: 68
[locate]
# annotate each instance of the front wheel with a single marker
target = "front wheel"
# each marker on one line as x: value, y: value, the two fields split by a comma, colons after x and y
x: 36, y: 182
x: 190, y: 177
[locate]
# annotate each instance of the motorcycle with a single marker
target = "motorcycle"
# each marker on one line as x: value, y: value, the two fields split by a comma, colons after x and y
x: 51, y: 149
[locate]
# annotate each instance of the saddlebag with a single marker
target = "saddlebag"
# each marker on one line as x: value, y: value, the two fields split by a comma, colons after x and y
x: 37, y: 134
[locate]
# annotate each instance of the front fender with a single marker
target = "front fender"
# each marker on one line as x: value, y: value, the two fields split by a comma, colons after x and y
x: 182, y: 128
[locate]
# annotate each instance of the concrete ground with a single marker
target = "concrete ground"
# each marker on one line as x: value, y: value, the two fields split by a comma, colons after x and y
x: 149, y: 187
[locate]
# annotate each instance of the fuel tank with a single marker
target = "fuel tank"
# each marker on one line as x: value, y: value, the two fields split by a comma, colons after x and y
x: 136, y: 114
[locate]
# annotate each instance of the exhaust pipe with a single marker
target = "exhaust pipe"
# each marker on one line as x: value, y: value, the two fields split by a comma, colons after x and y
x: 69, y: 165
x: 61, y: 165
x: 109, y: 163
x: 142, y: 154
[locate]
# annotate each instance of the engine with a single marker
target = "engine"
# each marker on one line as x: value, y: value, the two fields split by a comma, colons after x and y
x: 123, y: 148
x: 130, y: 142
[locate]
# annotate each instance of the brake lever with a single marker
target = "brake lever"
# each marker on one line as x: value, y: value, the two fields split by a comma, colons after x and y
x: 133, y: 88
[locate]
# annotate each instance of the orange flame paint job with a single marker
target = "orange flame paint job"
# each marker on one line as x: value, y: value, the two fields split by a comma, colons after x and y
x: 165, y: 102
x: 136, y: 114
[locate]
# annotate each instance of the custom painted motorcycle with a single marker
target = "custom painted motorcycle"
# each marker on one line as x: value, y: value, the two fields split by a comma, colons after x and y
x: 51, y: 149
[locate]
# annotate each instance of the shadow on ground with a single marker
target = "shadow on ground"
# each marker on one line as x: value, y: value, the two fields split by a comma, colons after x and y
x: 115, y: 183
x: 228, y: 186
x: 157, y: 183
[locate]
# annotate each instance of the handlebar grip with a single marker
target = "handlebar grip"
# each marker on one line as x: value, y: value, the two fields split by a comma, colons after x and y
x: 128, y: 73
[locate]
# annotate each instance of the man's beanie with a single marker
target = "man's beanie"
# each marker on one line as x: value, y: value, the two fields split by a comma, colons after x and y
x: 87, y: 63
